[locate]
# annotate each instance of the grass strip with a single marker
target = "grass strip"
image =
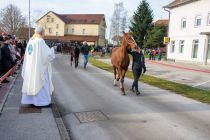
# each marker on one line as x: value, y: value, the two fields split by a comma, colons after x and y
x: 185, y: 90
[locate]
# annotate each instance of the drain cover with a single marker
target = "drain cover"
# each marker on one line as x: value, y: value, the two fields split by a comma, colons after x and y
x: 24, y: 110
x: 91, y: 116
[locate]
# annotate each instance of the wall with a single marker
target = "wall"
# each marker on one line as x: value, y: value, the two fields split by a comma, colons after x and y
x: 102, y: 33
x: 43, y: 22
x: 90, y: 29
x: 189, y: 11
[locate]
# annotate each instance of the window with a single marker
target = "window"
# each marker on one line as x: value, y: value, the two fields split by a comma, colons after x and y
x: 208, y: 20
x: 183, y: 23
x: 48, y: 19
x: 181, y: 46
x: 72, y: 31
x: 195, y: 48
x: 83, y: 31
x: 52, y: 19
x: 57, y: 33
x: 57, y: 26
x: 172, y: 46
x: 67, y: 30
x: 197, y: 21
x: 50, y: 30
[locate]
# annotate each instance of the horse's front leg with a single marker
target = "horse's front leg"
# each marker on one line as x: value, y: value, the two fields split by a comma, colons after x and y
x: 122, y: 75
x: 115, y: 73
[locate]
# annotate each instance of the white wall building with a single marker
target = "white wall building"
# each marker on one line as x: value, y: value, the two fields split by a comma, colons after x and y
x: 189, y: 31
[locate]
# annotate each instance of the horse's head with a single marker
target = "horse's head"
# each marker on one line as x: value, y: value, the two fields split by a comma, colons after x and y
x: 128, y: 41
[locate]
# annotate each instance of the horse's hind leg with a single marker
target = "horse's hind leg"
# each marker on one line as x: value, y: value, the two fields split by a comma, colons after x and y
x: 118, y: 75
x: 115, y: 73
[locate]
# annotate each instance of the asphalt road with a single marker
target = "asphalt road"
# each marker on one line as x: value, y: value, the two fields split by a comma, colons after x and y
x: 154, y: 115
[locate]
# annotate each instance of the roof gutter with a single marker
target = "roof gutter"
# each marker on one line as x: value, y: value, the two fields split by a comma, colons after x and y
x: 167, y: 10
x: 169, y: 14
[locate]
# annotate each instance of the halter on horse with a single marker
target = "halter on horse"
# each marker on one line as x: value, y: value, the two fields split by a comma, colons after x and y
x: 120, y: 59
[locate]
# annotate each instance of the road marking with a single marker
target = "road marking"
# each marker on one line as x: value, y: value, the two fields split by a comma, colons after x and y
x: 201, y: 83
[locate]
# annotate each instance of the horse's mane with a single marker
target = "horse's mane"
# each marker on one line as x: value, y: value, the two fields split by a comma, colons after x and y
x: 114, y: 49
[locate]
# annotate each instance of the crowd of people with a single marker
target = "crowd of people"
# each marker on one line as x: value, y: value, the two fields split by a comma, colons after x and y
x: 154, y: 54
x: 12, y: 50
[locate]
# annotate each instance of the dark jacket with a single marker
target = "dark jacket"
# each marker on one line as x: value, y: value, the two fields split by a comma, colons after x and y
x: 7, y: 60
x: 85, y: 49
x: 0, y: 61
x: 22, y: 49
x: 76, y: 52
x: 138, y: 60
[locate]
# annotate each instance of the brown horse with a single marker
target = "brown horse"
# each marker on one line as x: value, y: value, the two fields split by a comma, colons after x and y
x: 120, y: 59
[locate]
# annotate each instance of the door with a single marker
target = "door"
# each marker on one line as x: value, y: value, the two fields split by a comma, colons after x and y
x: 208, y: 49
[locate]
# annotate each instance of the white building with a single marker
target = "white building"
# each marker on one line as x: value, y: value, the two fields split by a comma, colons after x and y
x: 189, y: 31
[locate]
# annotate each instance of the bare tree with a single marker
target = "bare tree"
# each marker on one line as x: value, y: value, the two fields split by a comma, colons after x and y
x: 118, y: 22
x: 124, y: 22
x: 11, y: 19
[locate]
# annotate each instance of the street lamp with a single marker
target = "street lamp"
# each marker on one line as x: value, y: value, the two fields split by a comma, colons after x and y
x: 29, y: 22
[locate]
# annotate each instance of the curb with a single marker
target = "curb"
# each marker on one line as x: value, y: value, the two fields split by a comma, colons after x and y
x: 59, y: 121
x: 7, y: 94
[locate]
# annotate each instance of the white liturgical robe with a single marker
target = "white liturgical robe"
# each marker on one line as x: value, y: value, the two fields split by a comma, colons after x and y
x: 37, y: 73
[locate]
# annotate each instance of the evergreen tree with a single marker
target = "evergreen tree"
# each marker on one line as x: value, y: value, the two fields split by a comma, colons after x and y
x: 141, y: 22
x: 155, y: 37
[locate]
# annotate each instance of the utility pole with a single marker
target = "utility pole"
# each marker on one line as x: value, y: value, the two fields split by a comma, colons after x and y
x: 29, y: 20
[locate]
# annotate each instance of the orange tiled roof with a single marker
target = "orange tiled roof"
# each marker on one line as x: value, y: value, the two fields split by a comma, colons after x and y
x: 79, y: 38
x: 163, y: 22
x: 81, y: 18
x: 177, y: 3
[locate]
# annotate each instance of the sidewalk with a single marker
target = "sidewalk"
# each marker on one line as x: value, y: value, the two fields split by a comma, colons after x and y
x: 183, y: 65
x: 26, y: 125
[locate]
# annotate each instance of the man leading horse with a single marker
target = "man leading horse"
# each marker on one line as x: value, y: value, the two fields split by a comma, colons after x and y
x: 120, y: 59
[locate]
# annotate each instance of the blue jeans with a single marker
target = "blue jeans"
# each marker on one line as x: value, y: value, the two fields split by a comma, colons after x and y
x: 85, y: 57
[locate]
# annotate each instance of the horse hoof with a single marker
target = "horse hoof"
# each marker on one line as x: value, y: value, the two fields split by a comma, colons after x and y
x: 114, y: 84
x: 123, y: 94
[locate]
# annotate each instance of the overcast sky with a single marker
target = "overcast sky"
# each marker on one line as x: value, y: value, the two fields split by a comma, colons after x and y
x: 40, y: 7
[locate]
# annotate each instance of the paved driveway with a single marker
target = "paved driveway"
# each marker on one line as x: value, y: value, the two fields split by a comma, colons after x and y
x: 184, y: 76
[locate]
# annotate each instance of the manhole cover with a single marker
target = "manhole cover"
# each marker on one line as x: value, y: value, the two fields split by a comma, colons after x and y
x: 91, y: 116
x: 24, y: 110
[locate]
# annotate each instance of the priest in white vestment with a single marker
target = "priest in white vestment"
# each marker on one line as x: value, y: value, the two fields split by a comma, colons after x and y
x: 37, y: 72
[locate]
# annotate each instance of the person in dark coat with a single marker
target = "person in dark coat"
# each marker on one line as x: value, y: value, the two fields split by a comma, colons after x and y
x: 21, y: 48
x: 7, y: 61
x: 76, y: 55
x: 85, y: 51
x: 1, y: 43
x: 72, y: 55
x: 137, y: 66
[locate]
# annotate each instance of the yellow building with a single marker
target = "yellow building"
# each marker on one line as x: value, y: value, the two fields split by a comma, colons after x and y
x: 74, y: 27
